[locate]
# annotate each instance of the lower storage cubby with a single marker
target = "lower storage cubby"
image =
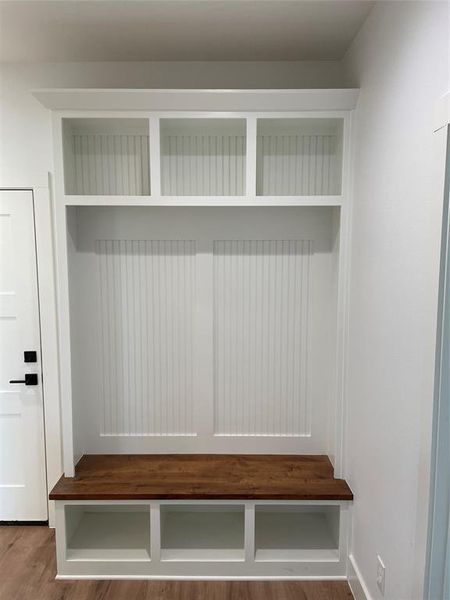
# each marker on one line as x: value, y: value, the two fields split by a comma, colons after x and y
x: 202, y: 532
x: 107, y: 532
x: 296, y: 533
x: 230, y: 539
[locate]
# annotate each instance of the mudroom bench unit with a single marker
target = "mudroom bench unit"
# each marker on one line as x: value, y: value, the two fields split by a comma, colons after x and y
x: 243, y: 516
x: 202, y: 242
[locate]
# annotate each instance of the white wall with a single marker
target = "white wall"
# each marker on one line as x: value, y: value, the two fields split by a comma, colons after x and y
x: 399, y: 59
x: 25, y: 131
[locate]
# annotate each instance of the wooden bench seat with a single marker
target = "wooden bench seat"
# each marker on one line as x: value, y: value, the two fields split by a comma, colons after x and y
x: 202, y: 477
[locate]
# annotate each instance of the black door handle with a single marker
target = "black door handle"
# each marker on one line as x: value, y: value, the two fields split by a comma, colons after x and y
x: 30, y: 379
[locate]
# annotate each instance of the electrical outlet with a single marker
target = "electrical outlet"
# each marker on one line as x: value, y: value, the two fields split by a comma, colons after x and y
x: 381, y: 573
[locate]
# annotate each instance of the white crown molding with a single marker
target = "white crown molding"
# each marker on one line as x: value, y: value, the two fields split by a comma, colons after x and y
x: 214, y: 100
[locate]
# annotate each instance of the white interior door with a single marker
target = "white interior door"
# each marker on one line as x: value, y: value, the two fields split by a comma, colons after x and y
x: 23, y: 491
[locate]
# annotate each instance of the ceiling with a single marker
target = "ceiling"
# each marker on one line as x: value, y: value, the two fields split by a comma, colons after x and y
x: 178, y: 30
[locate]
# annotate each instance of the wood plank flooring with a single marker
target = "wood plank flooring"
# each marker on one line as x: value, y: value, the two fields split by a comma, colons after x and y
x: 202, y: 476
x: 27, y: 571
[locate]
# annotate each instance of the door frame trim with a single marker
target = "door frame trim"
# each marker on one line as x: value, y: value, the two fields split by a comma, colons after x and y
x: 437, y: 541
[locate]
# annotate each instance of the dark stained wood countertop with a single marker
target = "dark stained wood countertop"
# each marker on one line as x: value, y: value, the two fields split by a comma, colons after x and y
x: 202, y: 477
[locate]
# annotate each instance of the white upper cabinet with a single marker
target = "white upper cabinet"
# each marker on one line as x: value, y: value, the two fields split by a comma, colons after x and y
x: 184, y: 158
x: 203, y: 157
x: 107, y: 157
x: 299, y: 157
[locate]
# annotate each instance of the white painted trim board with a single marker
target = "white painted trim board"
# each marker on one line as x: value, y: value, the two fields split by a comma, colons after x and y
x: 356, y: 582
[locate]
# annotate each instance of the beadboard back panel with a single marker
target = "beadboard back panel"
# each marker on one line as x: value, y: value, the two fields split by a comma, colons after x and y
x: 203, y: 165
x: 261, y: 315
x: 291, y: 165
x: 111, y: 164
x: 201, y: 329
x: 146, y: 309
x: 106, y: 157
x: 202, y: 157
x: 299, y: 157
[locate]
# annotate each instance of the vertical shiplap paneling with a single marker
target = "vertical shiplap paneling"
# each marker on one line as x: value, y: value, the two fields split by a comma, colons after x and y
x: 203, y: 165
x: 111, y: 164
x: 261, y: 318
x: 146, y: 303
x: 296, y: 165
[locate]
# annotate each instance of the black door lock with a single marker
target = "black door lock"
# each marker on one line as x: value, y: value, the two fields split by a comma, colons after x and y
x: 30, y: 356
x: 30, y: 379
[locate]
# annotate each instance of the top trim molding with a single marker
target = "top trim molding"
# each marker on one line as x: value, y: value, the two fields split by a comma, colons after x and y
x: 206, y: 100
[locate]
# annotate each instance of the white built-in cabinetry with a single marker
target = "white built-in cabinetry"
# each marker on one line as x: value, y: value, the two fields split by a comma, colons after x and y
x: 202, y: 259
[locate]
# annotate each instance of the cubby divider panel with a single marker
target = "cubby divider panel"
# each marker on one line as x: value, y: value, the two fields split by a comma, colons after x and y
x: 202, y: 532
x: 108, y: 532
x: 296, y: 533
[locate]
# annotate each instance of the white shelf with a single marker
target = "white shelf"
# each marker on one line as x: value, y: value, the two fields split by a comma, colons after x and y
x: 296, y: 533
x: 203, y: 555
x: 108, y: 533
x: 202, y: 533
x: 286, y: 556
x: 121, y: 200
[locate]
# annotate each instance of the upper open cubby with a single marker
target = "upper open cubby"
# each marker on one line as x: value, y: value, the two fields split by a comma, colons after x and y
x: 105, y: 156
x: 299, y: 157
x: 203, y: 157
x: 203, y: 160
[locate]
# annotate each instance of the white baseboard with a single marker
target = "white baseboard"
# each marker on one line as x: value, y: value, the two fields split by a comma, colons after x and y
x: 205, y: 577
x: 356, y: 581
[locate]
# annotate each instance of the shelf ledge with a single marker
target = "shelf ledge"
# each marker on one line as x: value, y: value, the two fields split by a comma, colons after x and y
x: 200, y: 555
x: 207, y: 201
